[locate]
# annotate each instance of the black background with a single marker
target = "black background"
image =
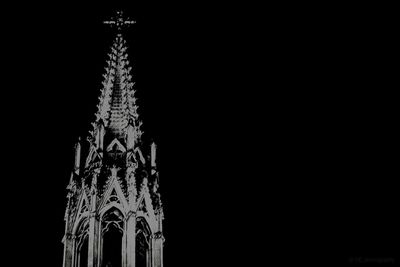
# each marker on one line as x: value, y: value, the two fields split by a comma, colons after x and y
x: 275, y: 125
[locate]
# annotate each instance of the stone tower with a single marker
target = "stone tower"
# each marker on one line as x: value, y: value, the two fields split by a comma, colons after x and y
x: 114, y: 212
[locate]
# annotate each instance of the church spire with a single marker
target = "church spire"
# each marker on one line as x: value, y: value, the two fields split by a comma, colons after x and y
x: 113, y: 202
x: 117, y: 103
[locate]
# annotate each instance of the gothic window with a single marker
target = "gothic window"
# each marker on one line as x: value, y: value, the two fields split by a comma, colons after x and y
x: 112, y: 231
x: 143, y: 253
x: 83, y: 253
x: 82, y: 244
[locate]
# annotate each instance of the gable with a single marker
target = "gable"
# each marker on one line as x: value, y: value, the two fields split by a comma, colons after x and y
x: 116, y: 145
x: 83, y: 209
x: 139, y: 152
x: 113, y: 195
x: 92, y: 157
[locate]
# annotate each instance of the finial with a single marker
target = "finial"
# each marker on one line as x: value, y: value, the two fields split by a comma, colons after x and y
x: 153, y: 155
x: 119, y: 21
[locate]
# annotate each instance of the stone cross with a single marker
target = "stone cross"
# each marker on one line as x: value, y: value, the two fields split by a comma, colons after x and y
x: 119, y: 21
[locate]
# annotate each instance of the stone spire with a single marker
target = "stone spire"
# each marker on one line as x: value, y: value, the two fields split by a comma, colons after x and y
x: 117, y: 101
x: 117, y: 188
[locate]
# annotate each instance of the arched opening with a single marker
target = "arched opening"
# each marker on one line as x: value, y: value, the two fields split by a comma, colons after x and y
x: 83, y: 253
x: 143, y: 254
x: 82, y: 244
x: 112, y: 231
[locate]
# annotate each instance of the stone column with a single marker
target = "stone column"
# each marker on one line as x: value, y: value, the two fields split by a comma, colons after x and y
x: 149, y: 255
x: 100, y: 247
x: 94, y: 225
x: 131, y: 239
x: 68, y: 250
x: 73, y: 250
x: 123, y: 250
x: 93, y: 240
x: 157, y: 250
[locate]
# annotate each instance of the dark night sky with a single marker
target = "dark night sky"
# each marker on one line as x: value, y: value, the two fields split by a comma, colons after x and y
x: 270, y: 128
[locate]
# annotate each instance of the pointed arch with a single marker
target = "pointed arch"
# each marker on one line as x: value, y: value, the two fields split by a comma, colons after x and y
x: 81, y: 243
x: 83, y: 251
x: 144, y: 226
x: 112, y: 216
x: 82, y: 226
x: 112, y: 232
x: 143, y: 242
x: 110, y: 206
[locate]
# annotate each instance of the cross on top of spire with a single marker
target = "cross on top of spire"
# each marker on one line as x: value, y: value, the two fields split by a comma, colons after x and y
x: 119, y: 21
